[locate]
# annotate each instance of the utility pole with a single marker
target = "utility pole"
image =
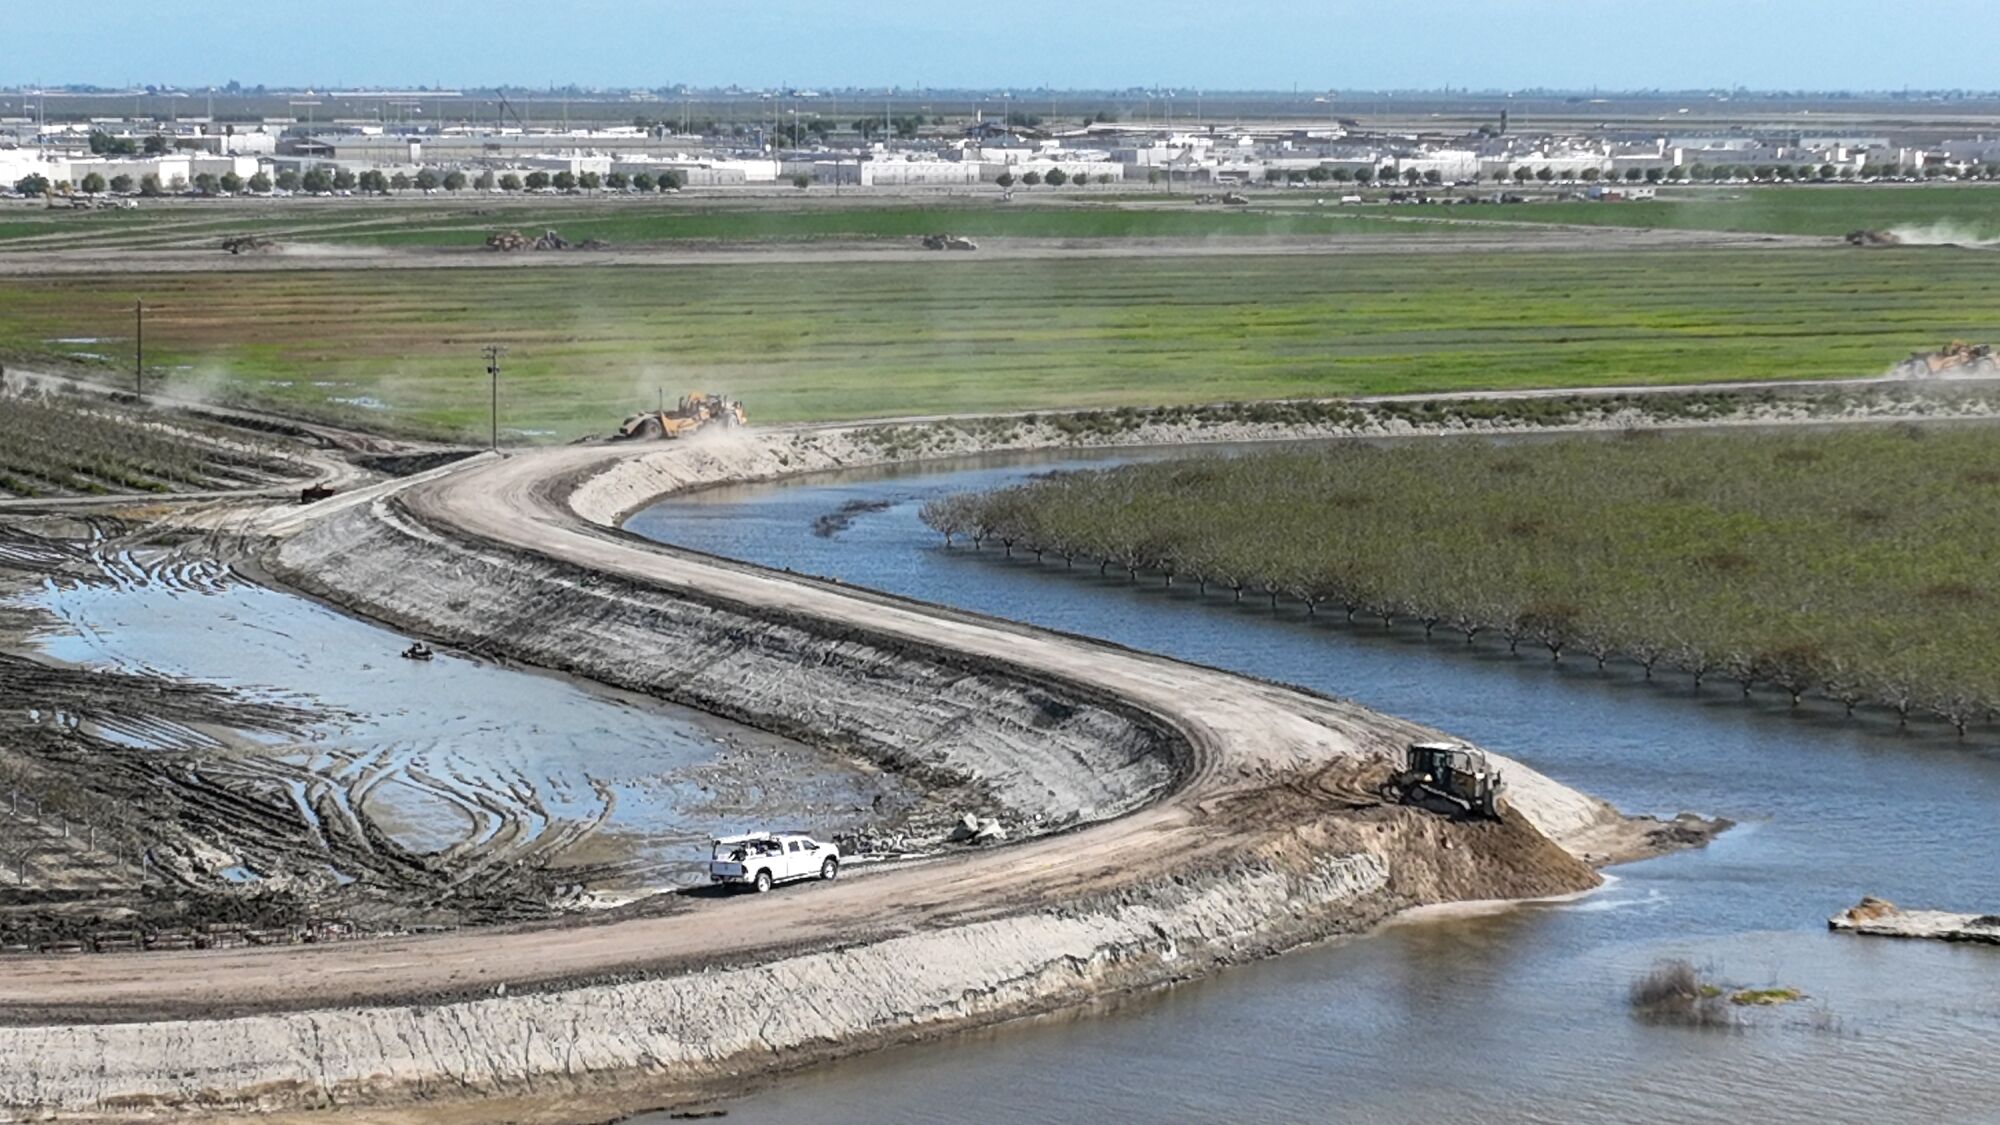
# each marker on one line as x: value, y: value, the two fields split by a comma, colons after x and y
x: 493, y: 354
x: 139, y: 351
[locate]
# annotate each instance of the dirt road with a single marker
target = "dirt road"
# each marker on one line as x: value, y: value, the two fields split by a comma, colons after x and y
x: 1441, y: 238
x: 1239, y: 737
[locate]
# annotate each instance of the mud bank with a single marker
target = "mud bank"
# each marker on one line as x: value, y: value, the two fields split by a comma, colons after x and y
x: 1873, y: 917
x: 1036, y: 753
x: 1205, y: 819
x: 608, y: 1048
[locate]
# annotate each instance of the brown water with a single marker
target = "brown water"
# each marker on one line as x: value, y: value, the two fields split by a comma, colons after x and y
x: 1518, y: 1015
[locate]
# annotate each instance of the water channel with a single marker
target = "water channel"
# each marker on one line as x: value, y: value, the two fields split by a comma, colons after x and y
x: 1517, y: 1014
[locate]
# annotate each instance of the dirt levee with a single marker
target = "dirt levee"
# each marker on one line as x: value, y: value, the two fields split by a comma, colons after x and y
x: 1206, y: 819
x: 1036, y: 751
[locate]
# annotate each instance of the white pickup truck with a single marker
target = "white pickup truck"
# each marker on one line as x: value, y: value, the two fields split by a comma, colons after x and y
x: 761, y: 859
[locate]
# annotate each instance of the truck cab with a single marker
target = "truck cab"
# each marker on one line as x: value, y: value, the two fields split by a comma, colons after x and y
x: 761, y: 860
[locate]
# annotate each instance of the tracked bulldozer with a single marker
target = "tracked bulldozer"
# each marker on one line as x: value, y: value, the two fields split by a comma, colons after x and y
x: 1447, y: 777
x: 694, y: 412
x: 1957, y: 358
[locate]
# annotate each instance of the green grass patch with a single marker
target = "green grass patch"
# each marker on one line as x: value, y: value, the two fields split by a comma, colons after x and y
x: 1765, y: 997
x: 633, y: 226
x: 954, y: 333
x: 1850, y: 564
x: 459, y: 221
x: 1829, y: 209
x: 1963, y: 210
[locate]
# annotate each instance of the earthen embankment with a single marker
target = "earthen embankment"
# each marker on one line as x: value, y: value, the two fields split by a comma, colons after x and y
x: 1177, y: 818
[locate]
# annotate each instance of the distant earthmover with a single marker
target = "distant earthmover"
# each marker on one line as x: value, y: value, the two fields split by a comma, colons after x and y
x: 508, y: 241
x: 695, y: 411
x: 1957, y: 359
x: 248, y: 244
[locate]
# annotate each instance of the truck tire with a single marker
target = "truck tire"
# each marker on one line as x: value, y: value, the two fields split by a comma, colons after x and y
x: 763, y: 882
x: 830, y: 870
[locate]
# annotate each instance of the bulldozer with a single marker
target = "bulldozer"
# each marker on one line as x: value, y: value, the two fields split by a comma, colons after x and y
x: 694, y: 412
x: 1447, y: 777
x: 1957, y: 358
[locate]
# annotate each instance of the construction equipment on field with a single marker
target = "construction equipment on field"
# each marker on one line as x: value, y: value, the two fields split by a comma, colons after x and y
x: 248, y: 244
x: 507, y: 241
x: 1447, y: 777
x: 1956, y: 359
x: 694, y: 412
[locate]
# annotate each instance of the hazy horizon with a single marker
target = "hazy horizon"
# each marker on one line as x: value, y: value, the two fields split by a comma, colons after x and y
x: 1253, y: 45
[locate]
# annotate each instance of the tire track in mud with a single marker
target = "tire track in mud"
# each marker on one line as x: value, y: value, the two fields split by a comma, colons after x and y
x: 261, y: 783
x: 1254, y: 845
x: 1240, y: 737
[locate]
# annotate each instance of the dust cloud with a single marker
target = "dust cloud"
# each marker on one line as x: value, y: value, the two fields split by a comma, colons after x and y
x: 1945, y: 232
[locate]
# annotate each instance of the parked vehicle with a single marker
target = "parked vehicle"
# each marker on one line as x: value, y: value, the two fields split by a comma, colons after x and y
x: 762, y: 860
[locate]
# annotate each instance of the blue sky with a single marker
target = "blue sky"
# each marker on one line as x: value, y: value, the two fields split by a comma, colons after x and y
x: 1214, y: 44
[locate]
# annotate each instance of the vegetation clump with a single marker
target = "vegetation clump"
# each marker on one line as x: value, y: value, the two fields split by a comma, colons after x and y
x: 1764, y: 997
x: 1673, y: 992
x: 1735, y: 556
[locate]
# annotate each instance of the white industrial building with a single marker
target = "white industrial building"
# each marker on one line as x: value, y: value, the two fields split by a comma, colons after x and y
x: 180, y: 168
x: 893, y: 172
x: 699, y: 172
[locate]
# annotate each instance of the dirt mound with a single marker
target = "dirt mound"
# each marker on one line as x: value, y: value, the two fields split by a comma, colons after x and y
x: 1869, y: 909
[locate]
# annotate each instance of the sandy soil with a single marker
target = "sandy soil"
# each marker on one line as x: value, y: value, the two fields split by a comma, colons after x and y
x: 1873, y: 917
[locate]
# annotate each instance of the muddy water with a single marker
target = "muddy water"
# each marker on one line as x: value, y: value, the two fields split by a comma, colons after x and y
x: 1518, y: 1015
x: 453, y: 752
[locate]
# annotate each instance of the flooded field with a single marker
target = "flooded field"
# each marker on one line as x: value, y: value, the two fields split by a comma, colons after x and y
x: 1520, y: 1012
x: 462, y: 763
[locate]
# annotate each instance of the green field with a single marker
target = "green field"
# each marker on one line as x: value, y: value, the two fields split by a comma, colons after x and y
x: 405, y: 222
x: 1953, y: 210
x: 401, y: 348
x: 1852, y: 564
x: 457, y: 221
